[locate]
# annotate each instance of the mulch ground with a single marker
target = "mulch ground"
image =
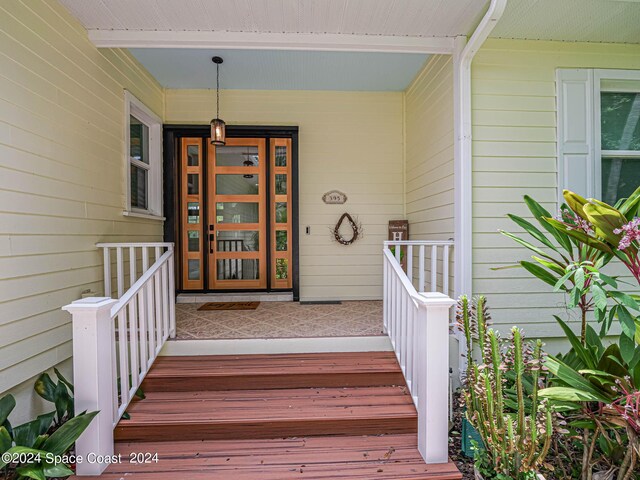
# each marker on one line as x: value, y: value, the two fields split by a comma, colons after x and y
x: 464, y: 463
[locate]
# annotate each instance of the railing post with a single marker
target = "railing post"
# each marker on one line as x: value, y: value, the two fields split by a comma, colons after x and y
x: 433, y: 386
x: 172, y: 294
x: 92, y: 377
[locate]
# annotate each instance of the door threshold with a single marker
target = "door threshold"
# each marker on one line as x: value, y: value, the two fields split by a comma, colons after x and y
x: 235, y: 297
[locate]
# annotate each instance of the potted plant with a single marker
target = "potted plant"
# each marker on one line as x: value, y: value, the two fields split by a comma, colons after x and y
x: 502, y: 402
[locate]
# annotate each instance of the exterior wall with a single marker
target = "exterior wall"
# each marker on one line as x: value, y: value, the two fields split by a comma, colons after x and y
x: 62, y: 177
x: 514, y: 153
x: 429, y: 139
x: 349, y: 141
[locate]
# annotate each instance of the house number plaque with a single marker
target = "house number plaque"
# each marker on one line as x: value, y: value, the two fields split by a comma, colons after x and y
x: 334, y: 197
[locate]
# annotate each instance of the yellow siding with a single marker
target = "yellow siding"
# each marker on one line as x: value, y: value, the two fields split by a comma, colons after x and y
x: 62, y: 176
x: 349, y: 141
x: 514, y: 153
x: 429, y: 151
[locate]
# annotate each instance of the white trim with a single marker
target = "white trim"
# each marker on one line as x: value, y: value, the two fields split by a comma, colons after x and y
x: 600, y: 76
x: 463, y: 157
x: 270, y: 41
x: 277, y: 345
x: 463, y: 163
x: 148, y: 216
x: 133, y: 106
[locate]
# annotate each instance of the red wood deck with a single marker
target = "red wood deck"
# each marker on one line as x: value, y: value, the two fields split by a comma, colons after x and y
x: 275, y: 417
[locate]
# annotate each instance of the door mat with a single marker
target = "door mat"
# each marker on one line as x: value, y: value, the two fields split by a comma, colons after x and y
x: 216, y: 306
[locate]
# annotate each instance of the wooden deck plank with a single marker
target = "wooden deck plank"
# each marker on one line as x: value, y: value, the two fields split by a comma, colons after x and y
x: 269, y: 413
x: 389, y: 457
x: 236, y: 372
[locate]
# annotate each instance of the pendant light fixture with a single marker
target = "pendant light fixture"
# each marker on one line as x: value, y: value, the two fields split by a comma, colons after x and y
x: 218, y: 127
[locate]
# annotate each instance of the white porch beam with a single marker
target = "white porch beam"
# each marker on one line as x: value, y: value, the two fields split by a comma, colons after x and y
x: 270, y: 41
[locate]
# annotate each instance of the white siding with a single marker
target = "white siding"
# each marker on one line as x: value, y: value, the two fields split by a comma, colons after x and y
x: 349, y: 141
x: 514, y: 153
x: 62, y: 177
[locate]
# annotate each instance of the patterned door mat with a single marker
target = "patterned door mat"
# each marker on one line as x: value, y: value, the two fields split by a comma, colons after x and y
x: 216, y: 306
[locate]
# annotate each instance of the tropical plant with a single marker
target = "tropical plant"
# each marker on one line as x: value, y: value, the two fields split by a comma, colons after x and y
x: 595, y: 387
x: 502, y: 400
x: 35, y: 449
x: 563, y: 252
x: 59, y: 393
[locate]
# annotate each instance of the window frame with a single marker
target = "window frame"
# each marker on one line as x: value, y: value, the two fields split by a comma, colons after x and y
x: 134, y: 107
x: 599, y: 77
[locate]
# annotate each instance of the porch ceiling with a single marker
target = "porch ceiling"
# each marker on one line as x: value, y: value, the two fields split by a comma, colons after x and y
x: 613, y: 21
x: 424, y: 26
x: 282, y: 70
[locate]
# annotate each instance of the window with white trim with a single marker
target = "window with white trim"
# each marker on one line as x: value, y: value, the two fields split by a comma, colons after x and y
x: 599, y: 132
x: 143, y: 156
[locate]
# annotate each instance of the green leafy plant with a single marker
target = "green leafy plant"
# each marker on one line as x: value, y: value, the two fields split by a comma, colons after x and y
x: 593, y: 385
x: 557, y: 253
x: 60, y: 393
x: 501, y: 398
x: 36, y: 446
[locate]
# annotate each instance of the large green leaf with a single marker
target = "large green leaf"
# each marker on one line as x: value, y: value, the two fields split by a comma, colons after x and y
x: 540, y: 213
x: 18, y: 450
x: 626, y: 321
x: 532, y: 230
x: 605, y: 219
x: 45, y: 387
x: 7, y: 404
x: 586, y: 357
x: 56, y: 470
x: 554, y: 267
x: 64, y: 380
x: 34, y: 471
x: 567, y: 394
x: 61, y: 400
x: 5, y: 440
x: 539, y: 272
x: 575, y: 202
x: 581, y: 236
x: 629, y: 208
x: 573, y: 379
x: 528, y: 245
x: 62, y: 439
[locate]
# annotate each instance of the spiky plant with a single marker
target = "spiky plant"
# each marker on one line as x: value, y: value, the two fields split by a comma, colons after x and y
x: 502, y: 400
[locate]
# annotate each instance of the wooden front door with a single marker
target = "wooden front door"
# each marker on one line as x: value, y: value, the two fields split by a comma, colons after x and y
x: 237, y: 206
x: 236, y: 214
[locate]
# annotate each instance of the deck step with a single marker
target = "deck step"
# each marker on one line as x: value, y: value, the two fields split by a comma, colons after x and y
x: 250, y: 372
x: 271, y: 413
x: 389, y: 457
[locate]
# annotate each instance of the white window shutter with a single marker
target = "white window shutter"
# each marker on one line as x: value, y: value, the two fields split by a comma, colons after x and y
x: 576, y: 163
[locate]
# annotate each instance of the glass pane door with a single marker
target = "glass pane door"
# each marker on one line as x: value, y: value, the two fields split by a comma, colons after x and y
x: 280, y: 173
x: 237, y: 227
x: 192, y: 245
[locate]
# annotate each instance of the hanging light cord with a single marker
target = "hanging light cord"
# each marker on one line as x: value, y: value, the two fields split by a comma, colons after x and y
x: 217, y: 90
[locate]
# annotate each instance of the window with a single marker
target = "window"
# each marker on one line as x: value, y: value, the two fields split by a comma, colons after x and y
x: 143, y: 140
x: 599, y: 132
x: 619, y: 143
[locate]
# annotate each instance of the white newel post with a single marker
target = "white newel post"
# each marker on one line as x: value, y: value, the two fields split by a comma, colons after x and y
x: 433, y: 384
x: 93, y: 377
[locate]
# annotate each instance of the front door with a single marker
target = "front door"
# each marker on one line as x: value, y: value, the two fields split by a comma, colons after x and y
x: 236, y: 214
x: 237, y: 209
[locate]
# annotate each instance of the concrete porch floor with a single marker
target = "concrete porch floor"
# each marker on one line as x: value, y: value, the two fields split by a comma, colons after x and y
x: 280, y: 320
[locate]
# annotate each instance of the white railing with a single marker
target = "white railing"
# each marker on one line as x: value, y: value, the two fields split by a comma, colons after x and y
x: 425, y: 259
x: 115, y: 342
x: 418, y: 327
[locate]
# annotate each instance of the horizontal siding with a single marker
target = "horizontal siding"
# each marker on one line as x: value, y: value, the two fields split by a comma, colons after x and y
x: 514, y: 145
x: 429, y: 139
x: 349, y: 141
x: 62, y: 176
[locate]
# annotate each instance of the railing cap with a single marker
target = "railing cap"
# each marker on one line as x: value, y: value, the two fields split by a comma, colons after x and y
x: 436, y: 299
x: 90, y: 303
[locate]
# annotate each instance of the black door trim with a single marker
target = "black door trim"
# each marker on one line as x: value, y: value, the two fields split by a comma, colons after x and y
x: 172, y: 134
